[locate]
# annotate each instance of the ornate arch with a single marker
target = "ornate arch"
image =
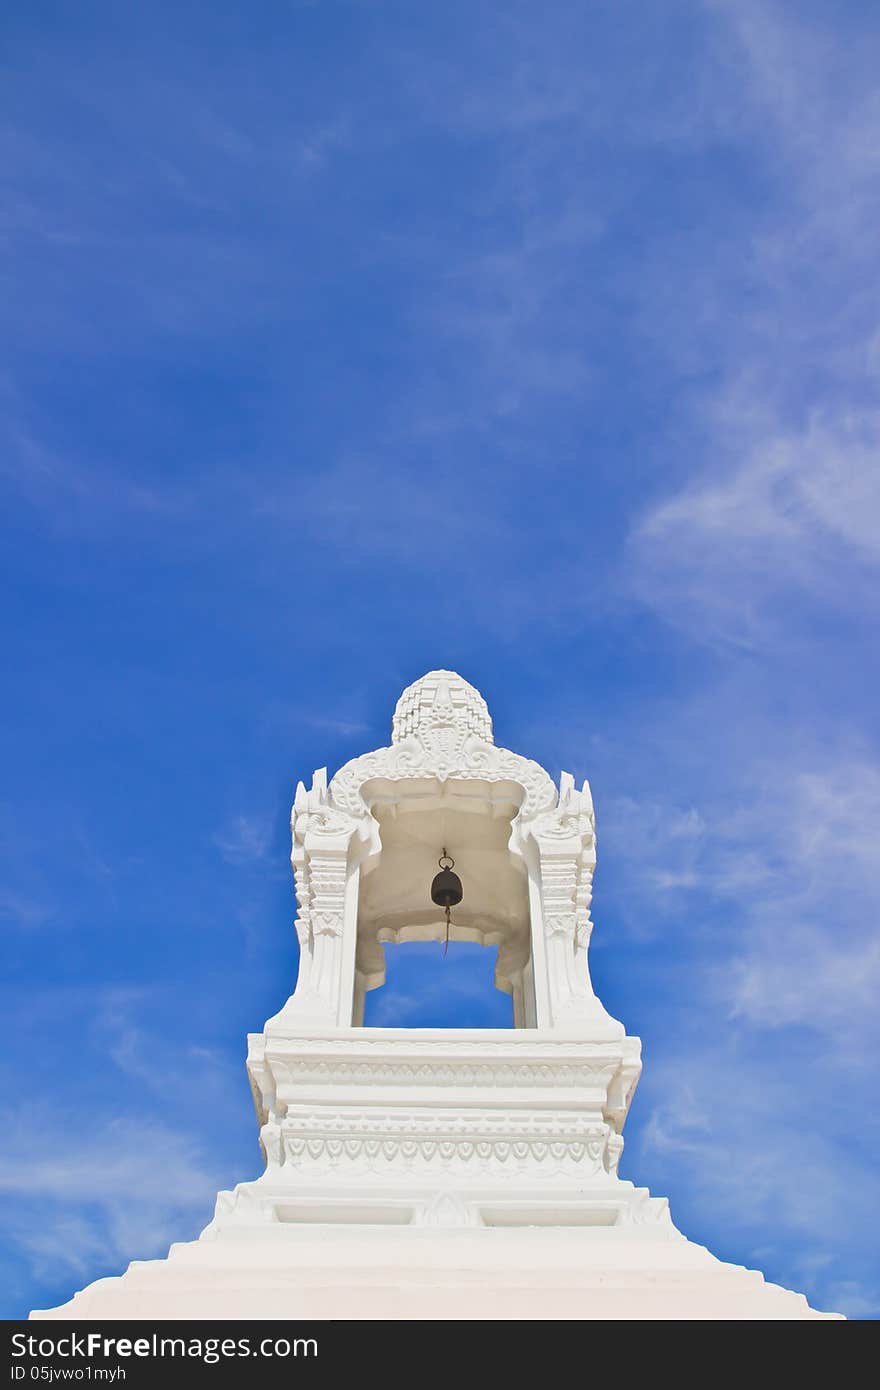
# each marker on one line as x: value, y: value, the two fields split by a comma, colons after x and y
x: 442, y: 753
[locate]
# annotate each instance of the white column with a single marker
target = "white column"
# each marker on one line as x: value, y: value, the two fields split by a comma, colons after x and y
x: 326, y: 923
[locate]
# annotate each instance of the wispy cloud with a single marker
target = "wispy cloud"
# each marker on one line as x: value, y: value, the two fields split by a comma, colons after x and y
x: 796, y: 516
x: 75, y: 490
x: 342, y: 722
x: 784, y: 870
x: 780, y: 507
x: 736, y: 1138
x: 116, y: 1161
x: 245, y: 841
x: 127, y: 1179
x: 126, y: 1189
x: 21, y: 911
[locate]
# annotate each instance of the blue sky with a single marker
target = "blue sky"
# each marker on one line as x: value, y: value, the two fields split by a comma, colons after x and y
x: 345, y: 341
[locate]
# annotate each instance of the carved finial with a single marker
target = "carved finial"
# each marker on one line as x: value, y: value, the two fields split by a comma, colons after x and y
x: 441, y: 698
x: 442, y: 707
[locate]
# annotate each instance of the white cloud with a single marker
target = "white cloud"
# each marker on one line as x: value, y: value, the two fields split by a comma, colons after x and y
x: 83, y: 1190
x: 769, y: 875
x: 119, y: 1158
x: 782, y: 506
x: 91, y: 1201
x: 808, y: 948
x: 762, y: 1169
x: 816, y: 97
x: 796, y: 516
x: 806, y: 975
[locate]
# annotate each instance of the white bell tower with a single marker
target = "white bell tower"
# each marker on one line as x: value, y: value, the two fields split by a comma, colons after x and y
x: 489, y: 1126
x: 428, y: 1173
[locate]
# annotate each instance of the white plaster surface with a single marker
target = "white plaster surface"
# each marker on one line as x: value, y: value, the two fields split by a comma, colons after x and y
x: 374, y: 1273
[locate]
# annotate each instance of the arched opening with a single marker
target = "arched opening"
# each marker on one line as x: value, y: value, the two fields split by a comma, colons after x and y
x: 417, y: 819
x: 426, y: 989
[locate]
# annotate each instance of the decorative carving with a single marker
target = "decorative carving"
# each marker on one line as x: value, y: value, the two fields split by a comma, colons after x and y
x: 270, y: 1139
x: 327, y: 875
x: 303, y: 1071
x: 645, y: 1210
x: 566, y: 840
x: 446, y: 1209
x: 613, y: 1150
x: 481, y: 1143
x: 461, y: 755
x: 441, y: 700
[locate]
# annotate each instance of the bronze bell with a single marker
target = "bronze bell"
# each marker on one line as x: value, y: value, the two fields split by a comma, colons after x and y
x: 446, y: 890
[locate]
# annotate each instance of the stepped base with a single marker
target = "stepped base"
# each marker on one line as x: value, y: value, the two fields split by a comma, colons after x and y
x: 346, y: 1272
